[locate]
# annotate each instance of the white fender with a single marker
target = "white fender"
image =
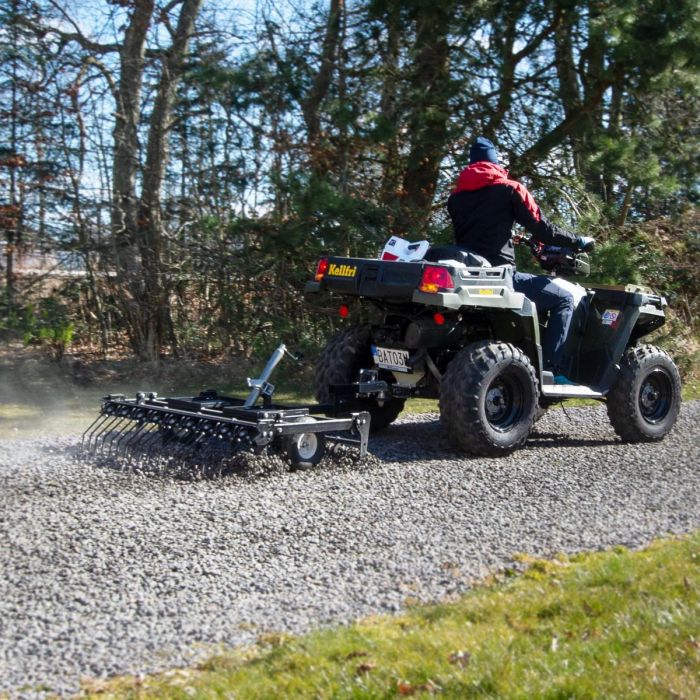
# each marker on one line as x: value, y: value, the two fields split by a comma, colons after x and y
x: 398, y: 248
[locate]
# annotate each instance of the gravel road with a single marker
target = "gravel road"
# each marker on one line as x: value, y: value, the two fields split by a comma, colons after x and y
x: 104, y: 571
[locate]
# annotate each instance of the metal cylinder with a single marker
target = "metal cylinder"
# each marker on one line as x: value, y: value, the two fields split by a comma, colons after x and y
x: 258, y: 384
x: 424, y: 334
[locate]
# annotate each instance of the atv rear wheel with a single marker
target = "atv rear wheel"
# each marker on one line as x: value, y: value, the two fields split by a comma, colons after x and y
x: 644, y: 402
x: 340, y: 362
x: 489, y: 398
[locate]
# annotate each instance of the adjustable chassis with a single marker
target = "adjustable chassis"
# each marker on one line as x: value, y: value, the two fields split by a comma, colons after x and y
x: 148, y: 422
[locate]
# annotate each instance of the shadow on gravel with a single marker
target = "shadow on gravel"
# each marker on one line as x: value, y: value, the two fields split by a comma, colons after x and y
x: 427, y: 441
x: 406, y: 442
x: 559, y: 440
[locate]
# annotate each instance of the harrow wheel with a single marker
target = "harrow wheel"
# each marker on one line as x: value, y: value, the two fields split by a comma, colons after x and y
x: 305, y: 450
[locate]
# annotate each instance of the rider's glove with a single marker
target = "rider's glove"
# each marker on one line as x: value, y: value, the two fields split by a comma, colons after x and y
x: 585, y: 243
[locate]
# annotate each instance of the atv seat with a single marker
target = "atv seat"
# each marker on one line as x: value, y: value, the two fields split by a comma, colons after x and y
x: 454, y: 252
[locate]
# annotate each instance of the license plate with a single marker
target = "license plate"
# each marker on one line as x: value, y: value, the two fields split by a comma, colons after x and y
x: 388, y: 358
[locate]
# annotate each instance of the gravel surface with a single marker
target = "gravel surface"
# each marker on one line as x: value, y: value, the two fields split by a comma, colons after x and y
x: 105, y: 571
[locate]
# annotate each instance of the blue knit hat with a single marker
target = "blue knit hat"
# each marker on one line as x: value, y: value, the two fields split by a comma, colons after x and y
x: 483, y: 149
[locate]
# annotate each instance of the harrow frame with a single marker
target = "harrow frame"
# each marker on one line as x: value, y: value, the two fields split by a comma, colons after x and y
x: 210, y: 424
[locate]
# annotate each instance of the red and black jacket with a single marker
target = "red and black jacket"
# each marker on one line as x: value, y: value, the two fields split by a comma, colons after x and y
x: 485, y: 204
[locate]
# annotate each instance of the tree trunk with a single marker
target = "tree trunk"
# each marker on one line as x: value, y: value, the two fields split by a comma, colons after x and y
x: 626, y: 204
x: 593, y: 76
x: 156, y: 285
x: 504, y: 37
x: 430, y: 91
x: 391, y: 168
x: 312, y: 102
x: 569, y: 85
x: 11, y: 212
x: 129, y: 289
x: 137, y: 227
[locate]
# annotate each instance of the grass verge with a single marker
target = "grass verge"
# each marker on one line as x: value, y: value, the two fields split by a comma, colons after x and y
x: 618, y: 624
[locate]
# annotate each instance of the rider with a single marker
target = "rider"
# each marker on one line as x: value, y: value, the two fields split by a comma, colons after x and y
x: 483, y: 206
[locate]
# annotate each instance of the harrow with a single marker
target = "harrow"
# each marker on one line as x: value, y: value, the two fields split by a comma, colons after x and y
x: 209, y: 426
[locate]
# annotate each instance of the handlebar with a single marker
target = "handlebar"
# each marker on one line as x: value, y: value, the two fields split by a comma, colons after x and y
x: 555, y: 259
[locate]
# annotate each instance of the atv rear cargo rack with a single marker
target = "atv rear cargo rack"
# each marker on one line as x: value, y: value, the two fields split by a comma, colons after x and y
x: 212, y: 425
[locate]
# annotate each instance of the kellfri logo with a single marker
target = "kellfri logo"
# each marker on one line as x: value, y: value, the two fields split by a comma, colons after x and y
x: 342, y: 270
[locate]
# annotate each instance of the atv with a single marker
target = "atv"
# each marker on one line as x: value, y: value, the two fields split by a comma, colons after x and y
x: 450, y: 326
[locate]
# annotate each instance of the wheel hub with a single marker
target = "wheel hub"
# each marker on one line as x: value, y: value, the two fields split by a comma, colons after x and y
x: 503, y: 402
x: 649, y: 397
x: 495, y: 403
x: 307, y: 443
x: 655, y: 396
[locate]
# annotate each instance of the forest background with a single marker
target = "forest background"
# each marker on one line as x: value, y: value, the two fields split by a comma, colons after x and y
x: 184, y: 163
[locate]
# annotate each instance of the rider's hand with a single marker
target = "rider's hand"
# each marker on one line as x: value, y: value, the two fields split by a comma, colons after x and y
x: 585, y: 244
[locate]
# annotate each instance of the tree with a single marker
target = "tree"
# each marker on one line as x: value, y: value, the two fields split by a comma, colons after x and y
x: 142, y: 282
x: 32, y: 163
x: 229, y: 157
x: 429, y: 92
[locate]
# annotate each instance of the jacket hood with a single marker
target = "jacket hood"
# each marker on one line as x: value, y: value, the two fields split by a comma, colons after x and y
x: 480, y: 175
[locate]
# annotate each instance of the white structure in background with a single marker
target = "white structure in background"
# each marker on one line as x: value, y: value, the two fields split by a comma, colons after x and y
x: 35, y: 263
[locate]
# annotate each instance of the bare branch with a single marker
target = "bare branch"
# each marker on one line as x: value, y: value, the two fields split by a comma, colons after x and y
x: 91, y: 60
x: 76, y: 36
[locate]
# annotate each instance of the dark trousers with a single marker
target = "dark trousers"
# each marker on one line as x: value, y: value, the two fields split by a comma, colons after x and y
x: 560, y: 304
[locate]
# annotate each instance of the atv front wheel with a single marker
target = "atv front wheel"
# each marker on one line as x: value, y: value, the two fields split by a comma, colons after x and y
x: 489, y: 398
x: 340, y: 363
x: 645, y: 399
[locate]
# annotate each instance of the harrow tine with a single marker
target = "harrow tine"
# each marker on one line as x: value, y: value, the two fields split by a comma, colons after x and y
x: 114, y: 432
x: 123, y: 428
x: 140, y: 418
x: 189, y: 446
x: 149, y: 434
x: 125, y: 431
x: 195, y: 440
x: 158, y: 439
x: 215, y: 448
x: 146, y: 445
x: 133, y: 448
x: 125, y: 442
x: 165, y: 437
x: 94, y: 426
x: 103, y: 431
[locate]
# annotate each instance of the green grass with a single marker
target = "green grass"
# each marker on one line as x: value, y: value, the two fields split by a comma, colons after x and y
x: 618, y: 624
x: 691, y: 391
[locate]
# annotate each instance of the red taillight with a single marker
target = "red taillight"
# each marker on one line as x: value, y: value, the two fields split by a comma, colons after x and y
x: 438, y: 318
x: 321, y: 269
x: 435, y: 279
x: 344, y: 311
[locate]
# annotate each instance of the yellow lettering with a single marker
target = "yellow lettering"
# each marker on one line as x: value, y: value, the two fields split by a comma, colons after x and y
x: 342, y: 270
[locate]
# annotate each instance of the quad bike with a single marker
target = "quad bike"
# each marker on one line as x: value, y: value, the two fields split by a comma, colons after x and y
x: 450, y: 326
